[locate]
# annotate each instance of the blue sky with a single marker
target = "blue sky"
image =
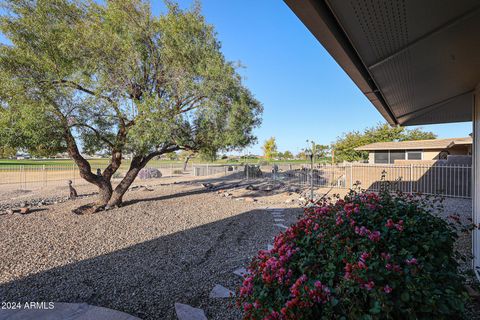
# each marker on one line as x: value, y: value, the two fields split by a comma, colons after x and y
x: 306, y: 95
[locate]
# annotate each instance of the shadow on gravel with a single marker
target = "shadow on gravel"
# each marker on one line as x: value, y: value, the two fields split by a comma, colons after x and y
x: 146, y: 279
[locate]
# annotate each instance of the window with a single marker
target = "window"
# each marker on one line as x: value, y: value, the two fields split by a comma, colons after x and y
x: 381, y: 157
x: 396, y: 155
x: 414, y: 154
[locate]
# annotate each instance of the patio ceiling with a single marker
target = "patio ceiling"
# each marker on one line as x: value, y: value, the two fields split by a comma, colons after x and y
x: 418, y: 62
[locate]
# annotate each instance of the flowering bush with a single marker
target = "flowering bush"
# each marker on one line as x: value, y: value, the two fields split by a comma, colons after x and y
x: 366, y: 256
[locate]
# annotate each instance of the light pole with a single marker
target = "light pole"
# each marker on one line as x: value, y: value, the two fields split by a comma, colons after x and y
x: 310, y: 155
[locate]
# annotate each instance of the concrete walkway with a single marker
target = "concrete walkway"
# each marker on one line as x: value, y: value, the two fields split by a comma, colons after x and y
x: 66, y: 311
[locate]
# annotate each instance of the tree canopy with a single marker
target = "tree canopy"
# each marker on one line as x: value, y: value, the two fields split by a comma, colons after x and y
x: 345, y: 145
x: 82, y: 75
x: 269, y: 148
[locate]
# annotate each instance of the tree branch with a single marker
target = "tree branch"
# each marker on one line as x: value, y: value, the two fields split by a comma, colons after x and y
x: 99, y: 136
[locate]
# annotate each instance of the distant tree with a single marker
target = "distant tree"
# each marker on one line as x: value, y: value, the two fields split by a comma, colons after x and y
x: 344, y: 146
x: 301, y: 155
x: 110, y: 75
x: 172, y: 156
x: 208, y: 155
x: 319, y: 150
x: 7, y: 152
x: 185, y: 156
x: 287, y: 155
x: 269, y: 148
x: 280, y: 155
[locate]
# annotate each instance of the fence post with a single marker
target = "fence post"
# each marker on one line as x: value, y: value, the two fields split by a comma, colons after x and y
x: 73, y: 173
x: 44, y: 175
x: 411, y: 177
x: 207, y: 169
x: 24, y: 176
x: 351, y: 175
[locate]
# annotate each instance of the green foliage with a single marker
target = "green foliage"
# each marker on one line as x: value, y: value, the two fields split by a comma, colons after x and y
x: 287, y: 155
x: 366, y: 256
x: 7, y: 152
x: 119, y: 79
x: 269, y: 148
x: 345, y: 145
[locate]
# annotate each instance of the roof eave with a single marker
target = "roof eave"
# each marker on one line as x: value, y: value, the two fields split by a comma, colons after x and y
x: 322, y: 24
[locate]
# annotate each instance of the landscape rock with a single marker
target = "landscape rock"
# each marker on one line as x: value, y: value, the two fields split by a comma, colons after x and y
x: 241, y: 272
x: 149, y: 173
x: 220, y: 291
x: 24, y: 210
x: 250, y: 200
x: 186, y: 312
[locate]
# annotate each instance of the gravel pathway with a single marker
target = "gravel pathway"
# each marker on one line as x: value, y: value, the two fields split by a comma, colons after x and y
x: 173, y: 246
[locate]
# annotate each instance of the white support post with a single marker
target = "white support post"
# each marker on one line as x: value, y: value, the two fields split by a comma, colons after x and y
x: 476, y: 182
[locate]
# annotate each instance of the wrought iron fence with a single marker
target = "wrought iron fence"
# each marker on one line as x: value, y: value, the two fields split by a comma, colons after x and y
x: 446, y: 180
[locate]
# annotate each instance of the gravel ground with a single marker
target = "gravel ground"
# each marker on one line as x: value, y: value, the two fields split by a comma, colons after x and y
x: 173, y: 246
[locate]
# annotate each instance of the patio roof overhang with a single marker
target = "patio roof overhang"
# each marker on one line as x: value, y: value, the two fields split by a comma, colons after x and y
x: 418, y: 62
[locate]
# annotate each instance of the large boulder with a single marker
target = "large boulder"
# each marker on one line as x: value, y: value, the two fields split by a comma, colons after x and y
x: 149, y: 173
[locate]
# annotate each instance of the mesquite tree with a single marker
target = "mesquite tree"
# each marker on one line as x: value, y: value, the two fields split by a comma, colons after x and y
x: 83, y: 76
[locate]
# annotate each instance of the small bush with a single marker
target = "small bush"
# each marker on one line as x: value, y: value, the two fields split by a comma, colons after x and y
x: 178, y: 171
x: 366, y: 256
x: 149, y: 173
x: 117, y: 175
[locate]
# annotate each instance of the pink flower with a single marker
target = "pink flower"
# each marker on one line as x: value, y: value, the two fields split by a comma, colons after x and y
x: 364, y: 256
x: 369, y: 285
x: 385, y: 256
x: 387, y: 289
x: 247, y: 306
x: 411, y: 261
x: 375, y: 236
x: 390, y: 223
x: 388, y: 266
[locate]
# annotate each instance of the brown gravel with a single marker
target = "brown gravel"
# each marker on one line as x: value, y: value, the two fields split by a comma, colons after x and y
x: 172, y: 246
x: 169, y: 245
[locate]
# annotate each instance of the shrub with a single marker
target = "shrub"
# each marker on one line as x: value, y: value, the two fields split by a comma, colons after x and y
x: 366, y: 256
x: 117, y: 175
x: 178, y: 171
x: 149, y: 173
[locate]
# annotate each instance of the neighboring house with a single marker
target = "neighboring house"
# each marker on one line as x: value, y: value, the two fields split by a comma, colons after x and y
x: 417, y: 150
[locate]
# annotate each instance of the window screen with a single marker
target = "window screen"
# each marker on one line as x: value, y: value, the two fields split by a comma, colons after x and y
x: 397, y: 155
x: 414, y: 155
x: 381, y: 157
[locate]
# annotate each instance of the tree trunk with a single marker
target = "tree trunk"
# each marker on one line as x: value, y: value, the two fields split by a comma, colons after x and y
x: 185, y: 163
x: 116, y: 198
x: 105, y: 192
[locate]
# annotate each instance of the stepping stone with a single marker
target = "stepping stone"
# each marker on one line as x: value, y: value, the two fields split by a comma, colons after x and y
x: 241, y: 272
x: 281, y: 225
x: 186, y: 312
x: 269, y: 247
x: 220, y: 291
x: 279, y: 220
x: 61, y: 310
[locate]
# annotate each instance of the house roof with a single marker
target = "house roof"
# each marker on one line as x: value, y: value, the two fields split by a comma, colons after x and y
x: 416, y: 144
x: 416, y: 61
